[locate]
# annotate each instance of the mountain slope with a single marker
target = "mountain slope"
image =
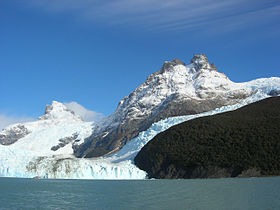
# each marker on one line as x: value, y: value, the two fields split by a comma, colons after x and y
x: 244, y: 142
x: 175, y: 90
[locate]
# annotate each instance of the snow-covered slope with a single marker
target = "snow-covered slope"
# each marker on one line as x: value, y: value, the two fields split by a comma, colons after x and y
x: 45, y: 147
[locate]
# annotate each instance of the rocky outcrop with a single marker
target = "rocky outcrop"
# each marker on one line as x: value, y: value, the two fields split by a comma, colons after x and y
x: 11, y: 135
x: 240, y: 143
x: 200, y: 61
x: 274, y: 92
x: 176, y: 89
x: 64, y: 141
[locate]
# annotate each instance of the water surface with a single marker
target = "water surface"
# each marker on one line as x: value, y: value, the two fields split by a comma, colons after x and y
x: 238, y: 193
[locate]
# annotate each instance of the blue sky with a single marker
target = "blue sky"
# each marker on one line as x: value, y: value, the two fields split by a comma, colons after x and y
x: 95, y: 52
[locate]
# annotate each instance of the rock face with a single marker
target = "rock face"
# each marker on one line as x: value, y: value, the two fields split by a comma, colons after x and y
x: 64, y: 141
x: 274, y: 92
x: 243, y: 143
x: 176, y: 89
x: 11, y: 135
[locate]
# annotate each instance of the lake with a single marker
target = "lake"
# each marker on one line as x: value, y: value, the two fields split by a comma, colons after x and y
x: 236, y: 193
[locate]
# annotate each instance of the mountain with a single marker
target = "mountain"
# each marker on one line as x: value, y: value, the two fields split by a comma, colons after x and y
x: 49, y: 146
x: 176, y: 89
x: 53, y: 133
x: 244, y: 142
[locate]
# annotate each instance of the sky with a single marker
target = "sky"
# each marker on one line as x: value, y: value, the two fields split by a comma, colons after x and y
x: 89, y: 54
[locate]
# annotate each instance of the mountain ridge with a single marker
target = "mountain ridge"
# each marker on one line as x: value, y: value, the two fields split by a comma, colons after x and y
x: 176, y: 89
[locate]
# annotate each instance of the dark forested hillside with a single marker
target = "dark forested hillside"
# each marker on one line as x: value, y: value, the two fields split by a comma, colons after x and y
x: 244, y: 142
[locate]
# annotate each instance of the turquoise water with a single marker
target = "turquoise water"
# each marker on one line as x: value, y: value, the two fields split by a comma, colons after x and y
x: 238, y: 193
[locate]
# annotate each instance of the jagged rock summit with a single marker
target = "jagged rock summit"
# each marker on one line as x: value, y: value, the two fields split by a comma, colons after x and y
x: 200, y: 61
x: 55, y: 115
x: 176, y: 89
x: 58, y: 111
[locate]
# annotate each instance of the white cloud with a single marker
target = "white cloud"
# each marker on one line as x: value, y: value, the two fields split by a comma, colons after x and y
x: 8, y: 120
x: 167, y: 15
x: 87, y: 115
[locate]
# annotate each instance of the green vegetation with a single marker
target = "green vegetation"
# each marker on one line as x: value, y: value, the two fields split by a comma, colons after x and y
x: 223, y: 145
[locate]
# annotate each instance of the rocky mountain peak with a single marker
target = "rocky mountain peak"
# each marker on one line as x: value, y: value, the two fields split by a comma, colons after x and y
x: 177, y: 61
x: 169, y: 64
x: 55, y: 107
x: 200, y: 61
x: 58, y: 111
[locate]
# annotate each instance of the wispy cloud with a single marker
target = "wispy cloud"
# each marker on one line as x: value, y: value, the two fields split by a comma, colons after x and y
x: 6, y: 120
x: 166, y: 15
x: 227, y: 22
x: 87, y: 115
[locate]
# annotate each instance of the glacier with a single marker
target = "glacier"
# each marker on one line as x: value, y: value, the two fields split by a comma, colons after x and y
x: 28, y: 160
